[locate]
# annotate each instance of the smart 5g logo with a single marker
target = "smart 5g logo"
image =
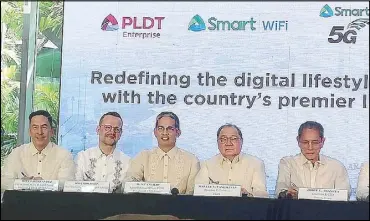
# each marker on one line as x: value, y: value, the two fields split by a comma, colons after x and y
x: 348, y: 37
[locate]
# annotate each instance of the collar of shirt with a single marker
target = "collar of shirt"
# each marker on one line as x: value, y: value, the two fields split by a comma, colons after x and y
x: 303, y: 160
x: 97, y: 153
x: 223, y: 159
x: 44, y: 152
x: 172, y: 154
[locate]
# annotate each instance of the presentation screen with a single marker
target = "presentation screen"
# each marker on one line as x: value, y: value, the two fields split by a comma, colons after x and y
x: 266, y: 67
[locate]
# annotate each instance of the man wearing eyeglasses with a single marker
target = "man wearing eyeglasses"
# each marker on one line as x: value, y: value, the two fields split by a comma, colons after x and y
x: 310, y: 169
x: 233, y: 167
x: 104, y: 162
x: 167, y: 162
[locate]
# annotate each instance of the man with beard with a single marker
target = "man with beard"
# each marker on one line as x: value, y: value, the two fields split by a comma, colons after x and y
x: 39, y: 159
x: 104, y: 162
x: 166, y: 163
x: 310, y: 169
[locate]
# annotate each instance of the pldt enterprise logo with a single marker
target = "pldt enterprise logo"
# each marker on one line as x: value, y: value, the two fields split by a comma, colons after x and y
x: 197, y: 24
x: 327, y: 11
x: 135, y: 27
x: 109, y: 23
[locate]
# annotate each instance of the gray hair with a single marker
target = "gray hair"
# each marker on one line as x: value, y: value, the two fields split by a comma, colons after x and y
x: 230, y: 125
x: 168, y: 114
x: 311, y: 125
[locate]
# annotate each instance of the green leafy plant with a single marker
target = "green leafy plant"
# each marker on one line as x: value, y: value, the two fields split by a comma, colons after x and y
x: 46, y: 94
x: 9, y: 115
x: 46, y: 97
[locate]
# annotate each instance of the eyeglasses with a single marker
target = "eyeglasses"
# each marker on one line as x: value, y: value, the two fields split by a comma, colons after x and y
x: 170, y: 129
x: 233, y: 140
x: 108, y: 128
x: 313, y: 143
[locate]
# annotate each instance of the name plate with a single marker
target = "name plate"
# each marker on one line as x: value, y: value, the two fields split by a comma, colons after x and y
x: 146, y: 187
x: 36, y: 185
x: 323, y: 194
x: 217, y: 190
x: 86, y: 186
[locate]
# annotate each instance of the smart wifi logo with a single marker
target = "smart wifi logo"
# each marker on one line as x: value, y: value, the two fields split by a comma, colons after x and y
x: 197, y: 24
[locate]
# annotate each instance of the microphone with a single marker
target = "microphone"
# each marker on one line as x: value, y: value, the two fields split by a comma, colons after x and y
x: 134, y: 179
x: 285, y: 195
x: 175, y: 191
x: 117, y: 188
x: 245, y: 195
x: 248, y: 194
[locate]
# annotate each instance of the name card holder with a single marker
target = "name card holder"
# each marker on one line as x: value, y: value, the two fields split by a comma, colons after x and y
x: 147, y: 187
x: 86, y: 186
x: 217, y: 190
x: 36, y: 185
x: 323, y: 194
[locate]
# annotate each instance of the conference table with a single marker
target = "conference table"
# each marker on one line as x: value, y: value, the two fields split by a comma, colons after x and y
x: 66, y: 205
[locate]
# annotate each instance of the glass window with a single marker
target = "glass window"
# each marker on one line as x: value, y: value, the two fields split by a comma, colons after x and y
x: 47, y: 71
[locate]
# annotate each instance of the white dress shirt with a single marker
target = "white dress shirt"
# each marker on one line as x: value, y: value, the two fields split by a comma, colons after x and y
x: 52, y: 163
x: 363, y: 182
x: 297, y: 171
x: 93, y: 165
x: 177, y: 167
x: 245, y: 170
